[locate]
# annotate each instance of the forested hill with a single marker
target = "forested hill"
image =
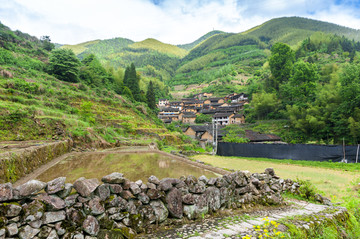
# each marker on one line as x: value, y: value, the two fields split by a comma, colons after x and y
x: 198, y: 62
x: 49, y: 94
x: 292, y: 30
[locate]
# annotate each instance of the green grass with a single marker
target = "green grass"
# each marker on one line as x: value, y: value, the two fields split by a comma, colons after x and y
x: 333, y: 179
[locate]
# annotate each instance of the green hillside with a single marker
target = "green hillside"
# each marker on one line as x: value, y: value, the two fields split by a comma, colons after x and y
x: 190, y: 46
x: 292, y: 30
x: 90, y: 107
x: 156, y: 45
x: 246, y: 52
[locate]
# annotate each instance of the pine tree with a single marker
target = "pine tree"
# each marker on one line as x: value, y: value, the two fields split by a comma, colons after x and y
x: 150, y: 96
x: 131, y: 80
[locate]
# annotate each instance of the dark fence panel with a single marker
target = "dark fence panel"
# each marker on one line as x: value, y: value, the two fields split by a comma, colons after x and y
x: 289, y: 151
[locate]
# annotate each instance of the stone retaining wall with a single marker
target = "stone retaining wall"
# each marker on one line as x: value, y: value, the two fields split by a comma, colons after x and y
x: 119, y: 208
x: 16, y: 164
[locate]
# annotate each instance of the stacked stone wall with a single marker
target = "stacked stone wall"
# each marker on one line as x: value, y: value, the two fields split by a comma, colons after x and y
x: 120, y: 208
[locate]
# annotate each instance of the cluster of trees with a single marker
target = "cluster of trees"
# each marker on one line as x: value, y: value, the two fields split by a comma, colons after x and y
x: 320, y: 101
x: 64, y: 65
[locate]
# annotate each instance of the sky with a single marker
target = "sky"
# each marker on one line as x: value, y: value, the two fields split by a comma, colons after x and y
x: 170, y: 21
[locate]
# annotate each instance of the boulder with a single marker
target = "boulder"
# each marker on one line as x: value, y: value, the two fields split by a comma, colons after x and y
x: 153, y: 193
x: 86, y: 186
x: 95, y: 206
x: 166, y: 184
x: 66, y: 191
x: 115, y: 188
x: 52, y: 202
x: 53, y: 235
x: 103, y: 191
x: 51, y: 217
x: 135, y: 189
x: 6, y: 192
x: 160, y: 210
x: 153, y: 179
x: 213, y: 198
x: 10, y: 209
x: 12, y: 229
x: 188, y: 199
x: 173, y: 201
x: 55, y: 185
x: 198, y: 187
x: 91, y: 225
x: 28, y: 232
x: 30, y: 188
x: 115, y: 178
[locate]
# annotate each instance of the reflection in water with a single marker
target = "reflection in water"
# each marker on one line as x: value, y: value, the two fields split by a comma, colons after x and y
x: 133, y: 166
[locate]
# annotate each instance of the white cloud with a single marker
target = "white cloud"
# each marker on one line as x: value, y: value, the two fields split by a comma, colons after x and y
x: 180, y: 21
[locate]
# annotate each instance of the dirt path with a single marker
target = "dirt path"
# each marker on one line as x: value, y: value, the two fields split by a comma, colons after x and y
x: 241, y: 225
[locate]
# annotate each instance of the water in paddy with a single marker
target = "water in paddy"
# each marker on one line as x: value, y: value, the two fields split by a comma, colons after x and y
x: 133, y: 166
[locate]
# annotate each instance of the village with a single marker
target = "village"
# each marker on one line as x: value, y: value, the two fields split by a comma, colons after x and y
x: 223, y: 111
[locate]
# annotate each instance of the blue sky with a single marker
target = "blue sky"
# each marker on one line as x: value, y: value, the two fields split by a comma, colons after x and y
x: 170, y: 21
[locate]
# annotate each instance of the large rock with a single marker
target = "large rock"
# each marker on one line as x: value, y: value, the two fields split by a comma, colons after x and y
x: 197, y: 188
x: 6, y: 192
x: 153, y: 179
x: 53, y: 235
x: 51, y: 217
x: 95, y: 206
x: 86, y: 186
x: 115, y: 188
x: 135, y: 189
x: 66, y: 191
x: 160, y: 210
x: 33, y: 211
x: 10, y: 209
x: 103, y: 192
x: 12, y: 229
x: 55, y: 185
x: 213, y: 197
x: 28, y: 232
x: 30, y: 188
x: 52, y: 202
x: 166, y: 184
x: 114, y: 178
x: 188, y: 199
x: 173, y: 200
x: 154, y: 193
x: 91, y: 225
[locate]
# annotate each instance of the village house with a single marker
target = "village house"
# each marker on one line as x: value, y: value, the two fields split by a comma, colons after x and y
x: 238, y: 119
x: 163, y: 103
x: 222, y: 110
x: 189, y: 118
x: 222, y: 118
x: 214, y: 100
x: 167, y: 115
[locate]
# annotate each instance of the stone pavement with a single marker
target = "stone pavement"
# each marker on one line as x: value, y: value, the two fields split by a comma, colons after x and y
x: 238, y: 226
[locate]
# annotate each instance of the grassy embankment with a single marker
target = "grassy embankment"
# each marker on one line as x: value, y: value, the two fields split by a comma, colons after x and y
x: 337, y: 181
x: 334, y: 180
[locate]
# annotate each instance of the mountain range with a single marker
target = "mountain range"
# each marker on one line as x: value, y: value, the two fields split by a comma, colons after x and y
x: 192, y: 63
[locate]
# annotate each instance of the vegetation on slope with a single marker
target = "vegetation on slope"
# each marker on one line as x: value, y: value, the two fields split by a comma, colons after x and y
x: 82, y: 100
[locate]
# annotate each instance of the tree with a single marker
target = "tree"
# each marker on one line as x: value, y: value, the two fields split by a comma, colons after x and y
x: 46, y: 43
x: 64, y: 65
x: 150, y: 96
x: 265, y: 105
x: 201, y: 118
x: 234, y: 134
x: 302, y: 84
x: 131, y: 80
x: 281, y: 63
